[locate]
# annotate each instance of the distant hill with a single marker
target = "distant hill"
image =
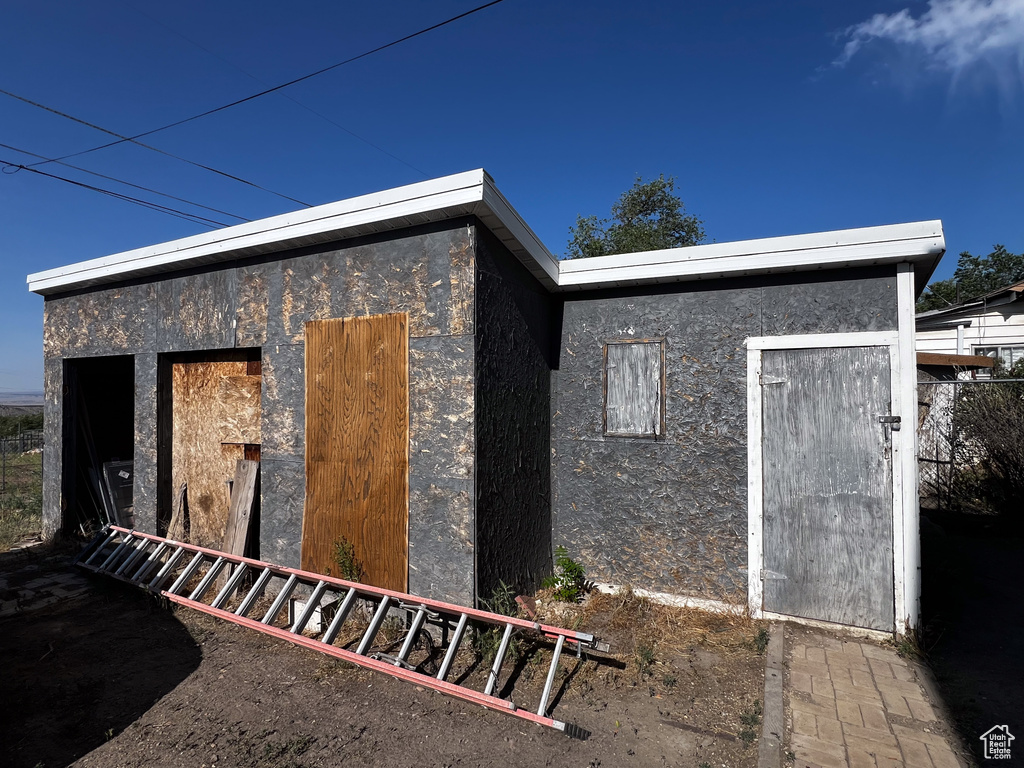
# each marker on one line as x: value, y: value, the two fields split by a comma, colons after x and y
x: 21, y: 398
x: 19, y: 410
x: 20, y: 403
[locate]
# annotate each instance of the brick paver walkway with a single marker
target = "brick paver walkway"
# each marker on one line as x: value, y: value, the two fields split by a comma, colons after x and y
x: 860, y: 705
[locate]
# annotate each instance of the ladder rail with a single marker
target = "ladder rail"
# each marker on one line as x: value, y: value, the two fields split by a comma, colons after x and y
x: 370, y: 592
x: 386, y: 600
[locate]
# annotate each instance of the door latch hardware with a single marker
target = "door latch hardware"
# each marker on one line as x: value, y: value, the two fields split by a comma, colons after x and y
x: 892, y: 421
x: 766, y: 574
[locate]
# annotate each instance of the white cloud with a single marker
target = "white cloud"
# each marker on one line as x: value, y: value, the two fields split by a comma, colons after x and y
x: 952, y: 34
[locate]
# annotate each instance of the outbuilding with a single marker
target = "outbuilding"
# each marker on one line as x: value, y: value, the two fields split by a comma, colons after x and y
x: 419, y: 377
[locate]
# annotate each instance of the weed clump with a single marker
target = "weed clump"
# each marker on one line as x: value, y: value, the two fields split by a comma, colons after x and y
x: 750, y: 719
x: 349, y: 566
x: 487, y: 641
x: 569, y: 580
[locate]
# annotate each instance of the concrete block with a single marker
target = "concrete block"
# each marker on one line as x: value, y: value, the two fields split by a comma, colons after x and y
x: 860, y: 759
x: 921, y: 710
x: 849, y: 712
x: 942, y: 757
x: 830, y: 730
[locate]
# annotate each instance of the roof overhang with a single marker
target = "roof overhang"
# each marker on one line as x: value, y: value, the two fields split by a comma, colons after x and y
x: 470, y: 193
x: 921, y: 243
x: 474, y: 193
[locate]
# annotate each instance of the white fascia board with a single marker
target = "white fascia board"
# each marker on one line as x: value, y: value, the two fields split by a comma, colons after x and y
x: 517, y: 236
x: 918, y: 241
x: 472, y: 192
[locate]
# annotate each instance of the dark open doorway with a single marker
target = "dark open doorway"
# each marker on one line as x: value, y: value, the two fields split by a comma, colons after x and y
x: 99, y: 428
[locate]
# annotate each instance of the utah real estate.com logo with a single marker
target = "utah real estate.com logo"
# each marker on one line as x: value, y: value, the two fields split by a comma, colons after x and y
x: 997, y: 742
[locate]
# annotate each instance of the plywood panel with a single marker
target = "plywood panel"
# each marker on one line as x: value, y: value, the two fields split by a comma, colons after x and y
x: 357, y: 438
x: 633, y: 389
x: 215, y: 412
x: 828, y: 485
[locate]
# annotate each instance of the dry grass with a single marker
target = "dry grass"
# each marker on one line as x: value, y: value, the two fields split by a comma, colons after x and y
x: 21, y: 501
x: 641, y: 630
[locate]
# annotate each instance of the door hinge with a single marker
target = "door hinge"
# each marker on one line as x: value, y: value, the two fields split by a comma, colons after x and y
x: 766, y: 574
x: 766, y: 380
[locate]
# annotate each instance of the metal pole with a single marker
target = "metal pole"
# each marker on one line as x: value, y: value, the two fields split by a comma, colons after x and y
x: 974, y: 381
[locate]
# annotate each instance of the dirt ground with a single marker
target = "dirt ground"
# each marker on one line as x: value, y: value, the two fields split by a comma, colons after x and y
x: 114, y: 678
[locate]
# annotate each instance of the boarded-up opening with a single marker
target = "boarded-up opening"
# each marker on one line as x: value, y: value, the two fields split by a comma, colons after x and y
x: 214, y: 422
x: 99, y: 428
x: 634, y: 386
x: 357, y: 446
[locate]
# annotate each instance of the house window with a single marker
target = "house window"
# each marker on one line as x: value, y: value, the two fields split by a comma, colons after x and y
x: 1009, y: 356
x: 634, y: 388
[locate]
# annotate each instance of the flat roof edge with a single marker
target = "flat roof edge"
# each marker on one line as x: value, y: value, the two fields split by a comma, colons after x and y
x: 447, y: 196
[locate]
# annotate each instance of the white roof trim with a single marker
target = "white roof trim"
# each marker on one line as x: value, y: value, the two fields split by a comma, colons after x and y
x: 474, y: 193
x: 918, y: 241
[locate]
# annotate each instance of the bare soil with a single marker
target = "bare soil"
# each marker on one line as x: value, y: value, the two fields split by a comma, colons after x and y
x: 117, y: 679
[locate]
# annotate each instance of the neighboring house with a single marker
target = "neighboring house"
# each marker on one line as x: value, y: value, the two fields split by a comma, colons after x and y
x: 417, y: 373
x: 991, y: 326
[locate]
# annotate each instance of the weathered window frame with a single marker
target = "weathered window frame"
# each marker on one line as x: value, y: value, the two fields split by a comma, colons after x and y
x: 659, y: 432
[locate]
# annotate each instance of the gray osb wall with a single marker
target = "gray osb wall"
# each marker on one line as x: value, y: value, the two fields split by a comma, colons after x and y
x: 671, y: 515
x: 428, y: 272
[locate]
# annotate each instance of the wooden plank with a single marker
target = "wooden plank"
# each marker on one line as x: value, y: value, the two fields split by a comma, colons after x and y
x: 955, y: 361
x: 243, y: 498
x: 177, y: 530
x: 357, y: 444
x: 828, y: 547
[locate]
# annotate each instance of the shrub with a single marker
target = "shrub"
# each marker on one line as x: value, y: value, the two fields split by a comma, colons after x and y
x: 569, y: 581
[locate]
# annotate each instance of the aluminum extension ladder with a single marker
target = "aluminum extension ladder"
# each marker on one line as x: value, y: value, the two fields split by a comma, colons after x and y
x: 151, y: 562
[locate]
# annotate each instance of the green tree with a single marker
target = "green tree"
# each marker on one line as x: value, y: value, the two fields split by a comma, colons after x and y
x: 974, y: 276
x: 647, y: 217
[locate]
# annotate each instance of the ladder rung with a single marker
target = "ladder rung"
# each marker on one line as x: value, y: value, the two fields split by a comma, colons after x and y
x: 375, y: 622
x: 453, y: 647
x: 117, y: 552
x: 339, y: 617
x: 225, y: 594
x: 188, y: 573
x: 310, y: 609
x: 207, y: 580
x: 279, y: 601
x: 170, y: 565
x: 254, y: 593
x: 492, y: 677
x: 142, y: 546
x: 101, y: 547
x: 150, y: 563
x: 414, y: 630
x: 551, y: 676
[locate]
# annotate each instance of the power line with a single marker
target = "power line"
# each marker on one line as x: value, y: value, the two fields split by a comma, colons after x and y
x: 425, y: 30
x: 195, y: 218
x: 132, y: 139
x: 292, y: 99
x: 126, y: 183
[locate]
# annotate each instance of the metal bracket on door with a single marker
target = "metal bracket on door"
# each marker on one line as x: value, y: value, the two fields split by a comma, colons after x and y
x: 892, y: 421
x: 766, y: 574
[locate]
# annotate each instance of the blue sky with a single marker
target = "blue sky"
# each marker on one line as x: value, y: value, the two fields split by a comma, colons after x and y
x: 776, y: 118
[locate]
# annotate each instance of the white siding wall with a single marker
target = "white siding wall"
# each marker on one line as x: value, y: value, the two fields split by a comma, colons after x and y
x: 990, y: 329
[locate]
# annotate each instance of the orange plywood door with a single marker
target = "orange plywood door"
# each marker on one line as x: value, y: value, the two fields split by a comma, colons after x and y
x: 357, y: 446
